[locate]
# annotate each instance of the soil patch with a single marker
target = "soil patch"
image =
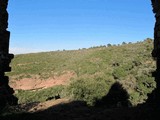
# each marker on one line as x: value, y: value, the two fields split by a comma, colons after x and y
x: 35, y: 83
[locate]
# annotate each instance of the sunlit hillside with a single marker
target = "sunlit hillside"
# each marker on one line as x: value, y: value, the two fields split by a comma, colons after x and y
x: 85, y: 74
x: 100, y: 82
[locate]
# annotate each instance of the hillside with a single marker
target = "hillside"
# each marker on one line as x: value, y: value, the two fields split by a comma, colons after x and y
x: 85, y: 75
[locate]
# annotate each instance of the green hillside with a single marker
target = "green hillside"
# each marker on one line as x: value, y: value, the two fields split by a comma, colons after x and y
x: 96, y: 70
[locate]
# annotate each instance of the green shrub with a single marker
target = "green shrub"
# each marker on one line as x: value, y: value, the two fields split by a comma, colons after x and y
x: 40, y: 95
x: 145, y: 85
x: 119, y: 73
x: 88, y: 90
x: 135, y: 98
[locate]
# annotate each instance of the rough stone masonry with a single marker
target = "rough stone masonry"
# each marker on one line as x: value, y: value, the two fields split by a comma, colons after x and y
x: 6, y: 92
x: 154, y: 97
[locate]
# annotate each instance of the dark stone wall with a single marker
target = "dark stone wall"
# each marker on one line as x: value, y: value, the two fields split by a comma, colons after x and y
x: 154, y: 97
x: 6, y: 92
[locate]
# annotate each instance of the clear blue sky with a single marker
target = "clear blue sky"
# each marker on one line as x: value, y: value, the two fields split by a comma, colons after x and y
x: 48, y: 25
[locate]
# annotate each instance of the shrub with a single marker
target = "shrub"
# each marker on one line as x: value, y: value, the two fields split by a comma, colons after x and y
x: 88, y: 90
x: 38, y: 96
x: 119, y: 72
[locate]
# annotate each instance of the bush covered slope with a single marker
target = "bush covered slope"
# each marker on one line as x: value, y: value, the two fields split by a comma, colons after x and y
x: 96, y: 70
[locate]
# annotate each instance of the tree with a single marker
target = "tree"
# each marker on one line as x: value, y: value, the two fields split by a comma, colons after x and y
x: 109, y: 45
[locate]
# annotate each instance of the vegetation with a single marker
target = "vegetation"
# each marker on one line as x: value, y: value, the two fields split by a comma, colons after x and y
x: 96, y: 70
x: 38, y: 96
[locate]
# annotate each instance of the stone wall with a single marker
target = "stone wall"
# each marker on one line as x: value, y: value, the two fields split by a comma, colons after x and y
x: 6, y: 92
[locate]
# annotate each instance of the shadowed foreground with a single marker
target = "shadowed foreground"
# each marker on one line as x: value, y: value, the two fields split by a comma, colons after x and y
x: 113, y: 106
x: 79, y: 111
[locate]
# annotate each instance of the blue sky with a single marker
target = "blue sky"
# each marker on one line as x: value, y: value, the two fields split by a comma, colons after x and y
x: 48, y: 25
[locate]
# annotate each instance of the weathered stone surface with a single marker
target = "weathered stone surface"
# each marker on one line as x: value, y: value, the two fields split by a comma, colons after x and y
x: 6, y: 92
x: 156, y: 10
x: 155, y: 5
x: 154, y: 97
x: 3, y: 15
